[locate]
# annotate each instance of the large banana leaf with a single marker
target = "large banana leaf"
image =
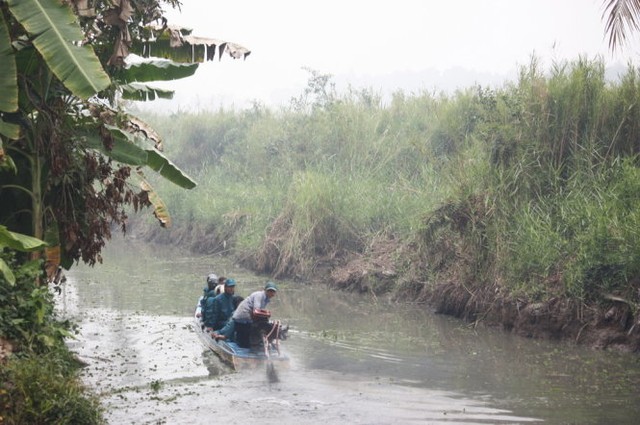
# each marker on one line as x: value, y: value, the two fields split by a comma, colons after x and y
x: 177, y: 44
x: 123, y: 150
x: 161, y: 164
x: 8, y: 71
x: 157, y: 70
x: 155, y: 159
x: 18, y: 241
x: 161, y: 48
x: 143, y: 92
x: 56, y: 33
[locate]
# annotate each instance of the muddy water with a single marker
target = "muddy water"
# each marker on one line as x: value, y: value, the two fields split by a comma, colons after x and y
x: 355, y: 359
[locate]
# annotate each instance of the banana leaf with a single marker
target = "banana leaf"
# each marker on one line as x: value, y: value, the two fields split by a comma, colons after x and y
x: 30, y: 67
x: 55, y: 32
x: 157, y: 70
x: 177, y: 44
x: 123, y: 149
x: 18, y: 241
x: 162, y: 165
x: 143, y: 92
x: 9, y: 130
x: 155, y: 159
x: 161, y: 48
x: 5, y: 271
x: 8, y: 72
x: 160, y: 210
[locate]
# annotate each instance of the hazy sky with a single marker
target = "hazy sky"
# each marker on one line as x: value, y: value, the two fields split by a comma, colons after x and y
x: 383, y: 45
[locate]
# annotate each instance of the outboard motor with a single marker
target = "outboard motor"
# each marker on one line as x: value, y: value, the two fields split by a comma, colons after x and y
x: 259, y: 329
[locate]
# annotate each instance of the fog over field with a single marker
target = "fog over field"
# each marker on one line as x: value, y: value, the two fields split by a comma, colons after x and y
x: 407, y: 45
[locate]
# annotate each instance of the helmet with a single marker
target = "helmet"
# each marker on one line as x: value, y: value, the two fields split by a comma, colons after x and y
x: 230, y: 282
x: 212, y: 278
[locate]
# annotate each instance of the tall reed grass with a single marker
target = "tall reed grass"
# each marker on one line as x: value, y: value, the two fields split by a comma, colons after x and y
x: 543, y: 168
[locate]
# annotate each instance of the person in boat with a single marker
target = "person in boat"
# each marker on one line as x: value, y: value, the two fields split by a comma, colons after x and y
x: 243, y: 316
x: 220, y: 308
x: 208, y: 291
x: 228, y: 332
x: 237, y: 299
x: 220, y: 288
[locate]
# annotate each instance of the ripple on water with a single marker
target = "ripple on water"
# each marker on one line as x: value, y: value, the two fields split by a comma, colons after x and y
x: 151, y: 369
x: 353, y: 360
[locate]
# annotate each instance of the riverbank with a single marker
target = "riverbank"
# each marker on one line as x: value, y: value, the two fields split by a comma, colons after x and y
x: 391, y: 267
x: 612, y: 323
x: 516, y: 206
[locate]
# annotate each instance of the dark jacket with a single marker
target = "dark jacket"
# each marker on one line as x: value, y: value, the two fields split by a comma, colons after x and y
x: 208, y: 294
x: 218, y: 310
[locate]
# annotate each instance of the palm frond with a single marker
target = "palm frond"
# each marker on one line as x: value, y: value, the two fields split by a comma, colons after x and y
x: 622, y: 18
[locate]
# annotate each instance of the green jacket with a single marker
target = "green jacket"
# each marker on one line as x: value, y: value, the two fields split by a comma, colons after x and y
x: 218, y: 310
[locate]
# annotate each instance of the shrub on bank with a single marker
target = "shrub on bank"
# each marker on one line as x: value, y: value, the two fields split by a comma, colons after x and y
x: 38, y: 377
x: 44, y: 389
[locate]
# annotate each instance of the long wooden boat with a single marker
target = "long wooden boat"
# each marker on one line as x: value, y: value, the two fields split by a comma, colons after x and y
x: 233, y: 355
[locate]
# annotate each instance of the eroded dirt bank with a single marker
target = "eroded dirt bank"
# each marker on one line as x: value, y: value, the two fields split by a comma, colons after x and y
x: 610, y: 323
x: 389, y: 267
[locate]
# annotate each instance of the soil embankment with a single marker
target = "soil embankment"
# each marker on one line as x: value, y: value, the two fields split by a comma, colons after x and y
x: 611, y: 323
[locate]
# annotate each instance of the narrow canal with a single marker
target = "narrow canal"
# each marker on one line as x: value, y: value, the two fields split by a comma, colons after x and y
x: 355, y: 359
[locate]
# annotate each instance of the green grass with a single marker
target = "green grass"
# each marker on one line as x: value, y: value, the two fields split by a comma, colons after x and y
x: 533, y: 184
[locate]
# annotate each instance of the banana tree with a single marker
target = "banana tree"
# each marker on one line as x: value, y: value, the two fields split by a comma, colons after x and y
x: 67, y: 148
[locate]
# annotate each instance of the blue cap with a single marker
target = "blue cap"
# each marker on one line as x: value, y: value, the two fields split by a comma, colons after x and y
x: 270, y: 286
x: 230, y: 282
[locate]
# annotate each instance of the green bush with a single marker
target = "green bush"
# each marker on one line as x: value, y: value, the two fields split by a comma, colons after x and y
x: 27, y: 317
x: 44, y: 389
x: 38, y: 382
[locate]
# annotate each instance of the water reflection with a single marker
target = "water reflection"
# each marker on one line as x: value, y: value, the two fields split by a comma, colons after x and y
x: 476, y: 374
